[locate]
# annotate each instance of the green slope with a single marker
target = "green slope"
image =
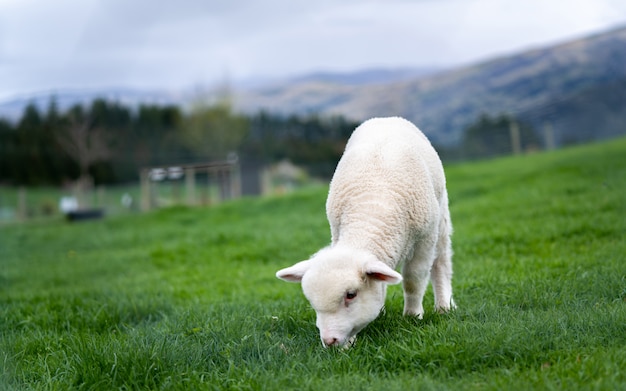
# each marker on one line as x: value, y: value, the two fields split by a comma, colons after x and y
x: 186, y: 298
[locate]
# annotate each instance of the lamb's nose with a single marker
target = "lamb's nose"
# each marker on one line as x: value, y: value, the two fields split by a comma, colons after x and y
x: 330, y: 341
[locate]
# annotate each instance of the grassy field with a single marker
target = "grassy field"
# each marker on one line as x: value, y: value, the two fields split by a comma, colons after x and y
x: 186, y: 298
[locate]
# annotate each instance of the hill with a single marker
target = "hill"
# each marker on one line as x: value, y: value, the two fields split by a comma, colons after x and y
x: 578, y: 87
x: 365, y: 76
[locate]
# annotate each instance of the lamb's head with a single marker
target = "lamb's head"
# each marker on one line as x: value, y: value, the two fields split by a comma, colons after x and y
x: 345, y: 287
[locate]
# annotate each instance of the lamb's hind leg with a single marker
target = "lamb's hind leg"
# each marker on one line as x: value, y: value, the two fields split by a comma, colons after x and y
x: 441, y: 272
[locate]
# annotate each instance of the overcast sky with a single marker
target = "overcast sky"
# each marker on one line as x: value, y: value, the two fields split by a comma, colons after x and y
x: 52, y: 45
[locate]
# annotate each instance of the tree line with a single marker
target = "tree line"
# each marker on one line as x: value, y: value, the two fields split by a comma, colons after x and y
x: 108, y: 142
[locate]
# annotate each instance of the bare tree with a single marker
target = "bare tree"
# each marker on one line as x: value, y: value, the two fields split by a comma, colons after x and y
x: 86, y: 145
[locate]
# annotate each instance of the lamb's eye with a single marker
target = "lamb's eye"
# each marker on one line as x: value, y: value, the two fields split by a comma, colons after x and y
x: 350, y: 295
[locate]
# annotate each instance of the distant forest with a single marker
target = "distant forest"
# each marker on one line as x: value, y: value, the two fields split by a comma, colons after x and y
x: 109, y: 142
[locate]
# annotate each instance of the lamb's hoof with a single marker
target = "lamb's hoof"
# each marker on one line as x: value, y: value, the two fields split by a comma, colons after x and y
x: 349, y: 343
x: 444, y: 309
x: 418, y: 315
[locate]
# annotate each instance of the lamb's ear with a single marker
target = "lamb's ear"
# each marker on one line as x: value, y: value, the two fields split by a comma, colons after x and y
x: 380, y: 271
x: 294, y: 273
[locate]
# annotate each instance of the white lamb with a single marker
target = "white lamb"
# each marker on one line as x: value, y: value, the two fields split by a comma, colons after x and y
x: 387, y: 206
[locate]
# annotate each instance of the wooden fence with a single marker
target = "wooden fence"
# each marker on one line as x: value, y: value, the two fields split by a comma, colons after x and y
x: 222, y: 181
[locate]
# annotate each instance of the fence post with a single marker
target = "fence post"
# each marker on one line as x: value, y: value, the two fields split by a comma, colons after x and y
x: 22, y: 206
x: 515, y: 138
x: 206, y: 197
x: 144, y: 178
x: 235, y: 181
x: 190, y: 185
x: 223, y: 184
x: 548, y: 131
x: 100, y: 195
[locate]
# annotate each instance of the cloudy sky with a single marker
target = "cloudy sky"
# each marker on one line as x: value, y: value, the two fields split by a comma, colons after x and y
x: 52, y: 45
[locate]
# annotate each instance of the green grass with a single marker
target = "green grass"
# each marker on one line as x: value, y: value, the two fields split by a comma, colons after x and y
x: 186, y: 298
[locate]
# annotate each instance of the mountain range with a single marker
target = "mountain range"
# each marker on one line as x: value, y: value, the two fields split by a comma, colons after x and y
x: 576, y: 88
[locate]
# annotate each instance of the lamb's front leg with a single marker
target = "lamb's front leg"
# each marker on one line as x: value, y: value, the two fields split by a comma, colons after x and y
x: 415, y: 281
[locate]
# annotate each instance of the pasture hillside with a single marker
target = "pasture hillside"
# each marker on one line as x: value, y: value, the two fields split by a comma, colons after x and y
x: 186, y: 298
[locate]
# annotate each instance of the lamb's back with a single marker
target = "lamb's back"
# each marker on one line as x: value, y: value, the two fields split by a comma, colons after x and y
x: 387, y: 185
